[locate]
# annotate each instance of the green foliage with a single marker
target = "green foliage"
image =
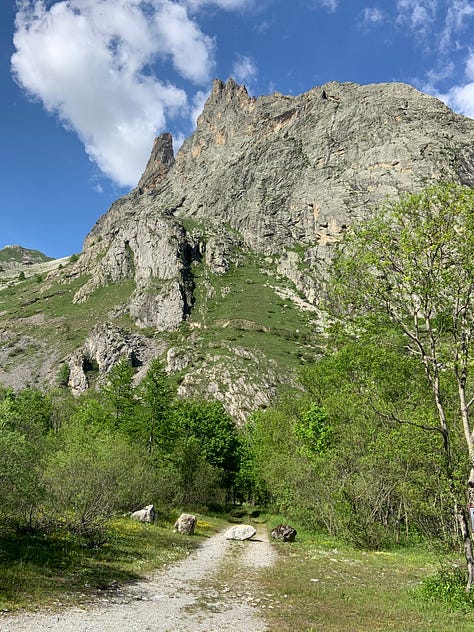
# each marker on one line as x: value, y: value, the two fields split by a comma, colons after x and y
x: 154, y: 427
x: 119, y: 393
x: 21, y: 276
x: 213, y: 427
x: 448, y: 587
x: 314, y: 431
x: 21, y: 485
x: 63, y: 375
x: 418, y: 275
x: 92, y: 475
x: 28, y: 412
x: 207, y: 437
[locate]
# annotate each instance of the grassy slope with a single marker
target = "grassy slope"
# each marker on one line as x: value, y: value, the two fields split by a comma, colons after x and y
x: 247, y: 312
x: 319, y: 584
x: 48, y: 570
x: 19, y: 255
x: 61, y: 324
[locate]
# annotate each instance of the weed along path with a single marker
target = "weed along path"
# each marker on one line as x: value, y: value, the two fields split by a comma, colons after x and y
x: 214, y: 589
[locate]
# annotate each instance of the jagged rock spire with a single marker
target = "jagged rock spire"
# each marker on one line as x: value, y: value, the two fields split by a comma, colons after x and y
x: 159, y: 163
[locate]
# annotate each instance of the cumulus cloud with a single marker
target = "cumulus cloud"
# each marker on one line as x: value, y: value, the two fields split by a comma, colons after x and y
x: 92, y: 63
x: 461, y: 97
x: 244, y: 69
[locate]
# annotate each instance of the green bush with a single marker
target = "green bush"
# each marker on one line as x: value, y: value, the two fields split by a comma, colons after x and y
x: 448, y: 587
x: 92, y: 476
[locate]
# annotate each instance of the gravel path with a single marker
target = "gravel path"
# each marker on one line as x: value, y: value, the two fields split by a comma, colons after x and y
x: 214, y: 589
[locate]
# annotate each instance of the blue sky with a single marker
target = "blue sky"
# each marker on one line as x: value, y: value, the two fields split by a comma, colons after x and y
x: 86, y: 85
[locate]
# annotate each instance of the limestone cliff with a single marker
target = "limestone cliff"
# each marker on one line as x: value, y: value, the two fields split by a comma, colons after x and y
x: 277, y: 172
x: 223, y: 247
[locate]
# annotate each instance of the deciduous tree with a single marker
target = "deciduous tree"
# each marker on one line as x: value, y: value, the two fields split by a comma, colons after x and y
x: 414, y: 263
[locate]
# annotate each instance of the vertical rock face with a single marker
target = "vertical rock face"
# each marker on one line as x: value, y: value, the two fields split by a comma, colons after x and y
x: 276, y: 173
x: 277, y: 178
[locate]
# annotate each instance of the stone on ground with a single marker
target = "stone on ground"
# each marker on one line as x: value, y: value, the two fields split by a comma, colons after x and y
x: 147, y: 514
x: 241, y: 532
x: 284, y: 532
x: 185, y: 524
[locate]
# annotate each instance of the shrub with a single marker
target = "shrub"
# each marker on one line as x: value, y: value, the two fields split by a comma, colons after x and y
x: 91, y: 477
x: 447, y: 586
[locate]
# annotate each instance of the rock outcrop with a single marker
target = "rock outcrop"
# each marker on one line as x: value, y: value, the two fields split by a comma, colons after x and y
x: 271, y: 174
x: 103, y: 348
x: 264, y: 186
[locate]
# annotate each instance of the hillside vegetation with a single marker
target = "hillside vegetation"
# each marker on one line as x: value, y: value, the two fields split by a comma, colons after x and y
x: 282, y: 315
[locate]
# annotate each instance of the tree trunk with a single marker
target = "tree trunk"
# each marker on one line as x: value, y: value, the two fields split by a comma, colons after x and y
x: 464, y: 519
x: 464, y: 526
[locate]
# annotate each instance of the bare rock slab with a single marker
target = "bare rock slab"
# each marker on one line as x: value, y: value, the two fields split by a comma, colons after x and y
x: 185, y: 524
x: 240, y: 532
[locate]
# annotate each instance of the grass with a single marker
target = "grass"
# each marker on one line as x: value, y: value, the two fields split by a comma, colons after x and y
x: 319, y: 584
x: 58, y: 569
x: 19, y: 255
x: 247, y: 312
x: 63, y: 325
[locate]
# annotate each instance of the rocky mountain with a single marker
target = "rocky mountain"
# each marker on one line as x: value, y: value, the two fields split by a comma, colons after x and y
x: 214, y: 261
x: 16, y: 257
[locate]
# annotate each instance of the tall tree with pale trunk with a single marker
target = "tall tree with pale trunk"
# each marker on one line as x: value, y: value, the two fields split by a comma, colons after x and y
x: 413, y: 262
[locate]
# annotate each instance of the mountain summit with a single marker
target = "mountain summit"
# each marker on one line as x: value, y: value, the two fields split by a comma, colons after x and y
x: 217, y: 255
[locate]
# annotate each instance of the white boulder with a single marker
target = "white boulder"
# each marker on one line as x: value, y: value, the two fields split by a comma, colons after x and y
x: 240, y: 532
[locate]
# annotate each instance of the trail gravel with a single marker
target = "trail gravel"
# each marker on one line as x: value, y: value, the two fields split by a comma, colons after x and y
x: 214, y: 589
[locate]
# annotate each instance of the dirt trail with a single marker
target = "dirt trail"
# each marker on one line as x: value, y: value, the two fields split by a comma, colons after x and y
x: 214, y: 589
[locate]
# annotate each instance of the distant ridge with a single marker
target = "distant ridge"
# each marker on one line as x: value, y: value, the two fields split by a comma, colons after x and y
x: 17, y: 255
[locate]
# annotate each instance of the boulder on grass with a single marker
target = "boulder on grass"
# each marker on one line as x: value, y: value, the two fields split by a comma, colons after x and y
x: 185, y: 524
x: 240, y: 532
x: 147, y: 514
x: 284, y: 532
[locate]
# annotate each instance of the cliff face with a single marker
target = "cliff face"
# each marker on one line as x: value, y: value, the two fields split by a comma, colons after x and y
x: 234, y: 234
x: 271, y: 174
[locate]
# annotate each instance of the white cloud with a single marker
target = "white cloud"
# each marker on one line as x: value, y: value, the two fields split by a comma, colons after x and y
x: 244, y: 69
x: 89, y: 62
x: 331, y: 5
x: 199, y: 100
x: 221, y: 4
x: 460, y: 98
x: 457, y: 15
x: 372, y: 16
x: 418, y: 15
